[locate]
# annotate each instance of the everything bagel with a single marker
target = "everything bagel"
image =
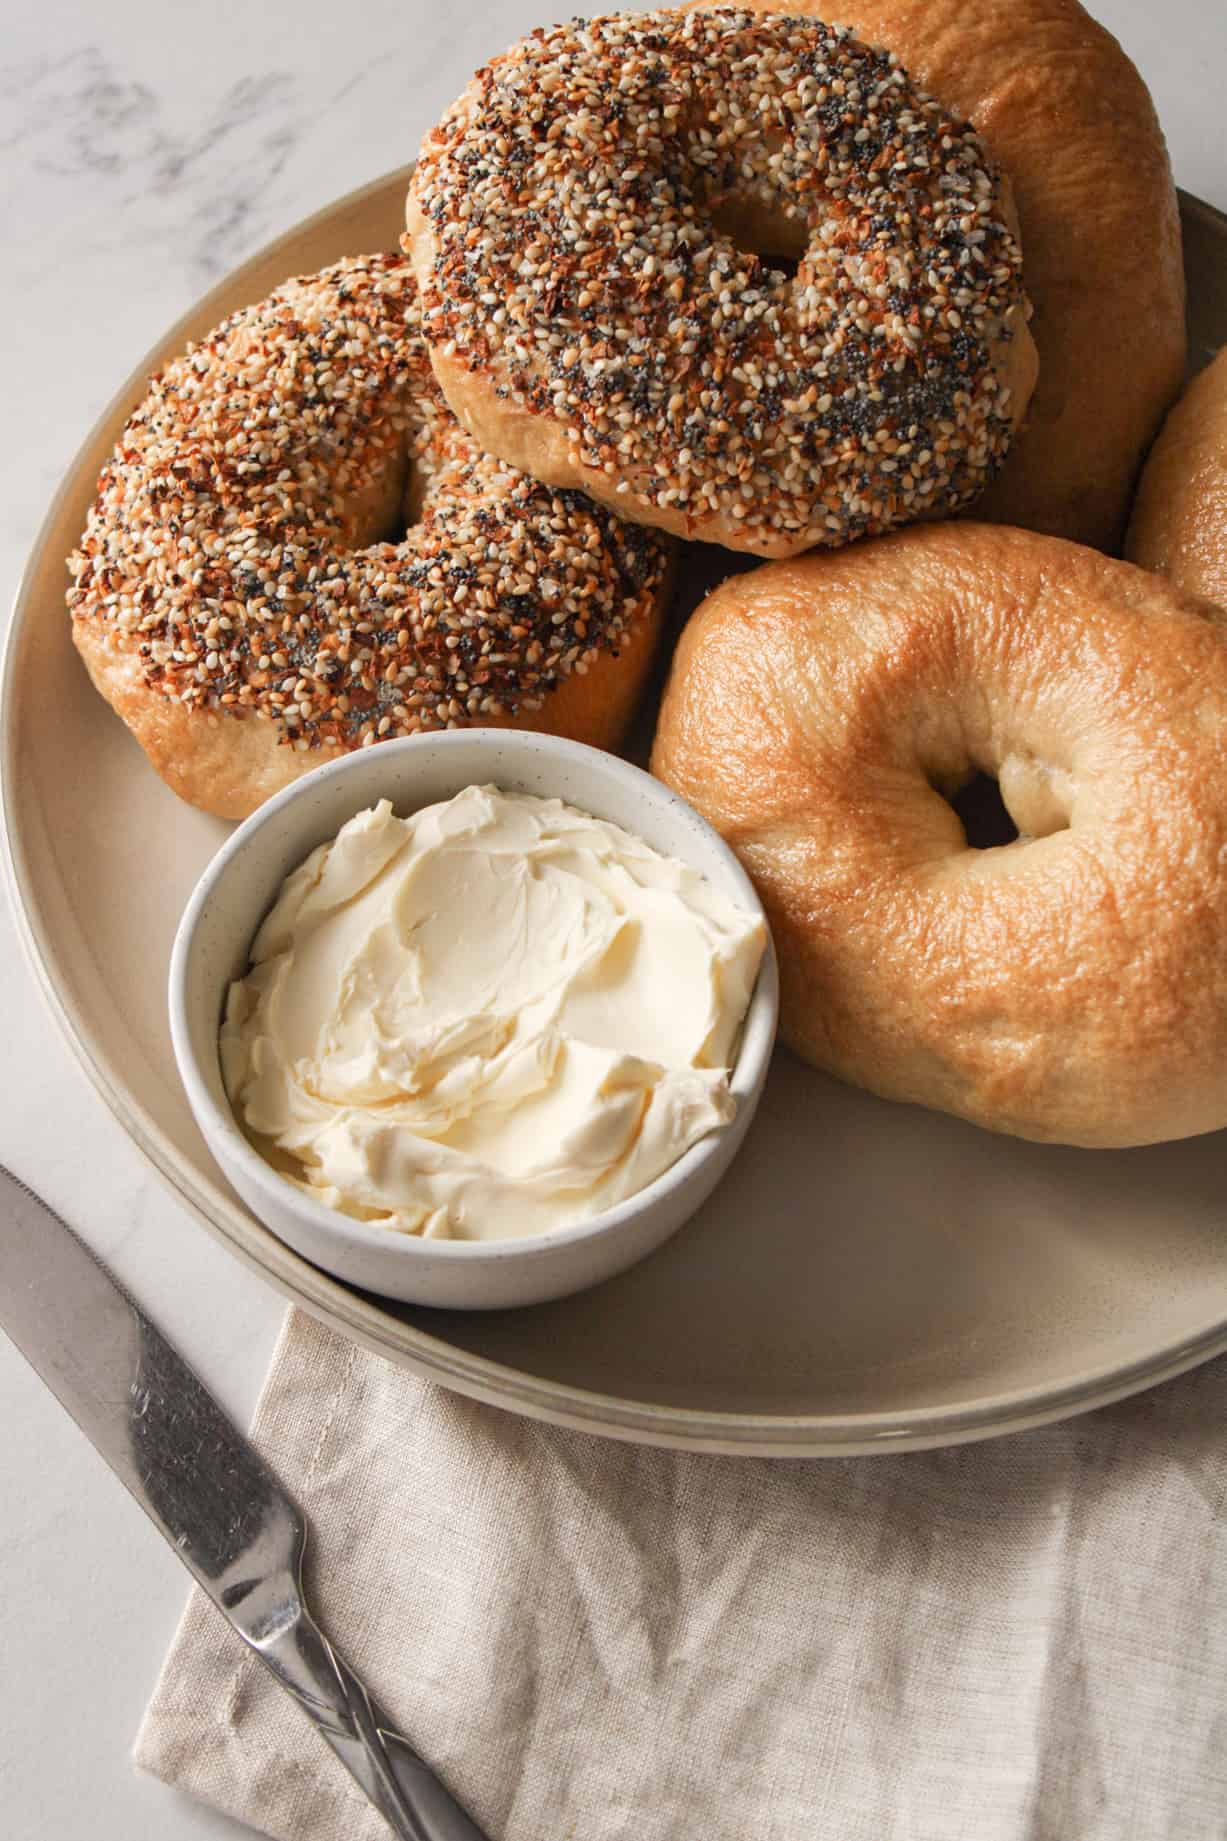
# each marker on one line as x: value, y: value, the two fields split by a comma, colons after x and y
x: 296, y: 550
x: 603, y: 227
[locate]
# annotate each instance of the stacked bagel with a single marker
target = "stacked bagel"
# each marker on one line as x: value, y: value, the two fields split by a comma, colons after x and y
x: 813, y: 293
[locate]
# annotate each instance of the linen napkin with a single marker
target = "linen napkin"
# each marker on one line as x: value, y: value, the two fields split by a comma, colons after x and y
x: 1018, y: 1641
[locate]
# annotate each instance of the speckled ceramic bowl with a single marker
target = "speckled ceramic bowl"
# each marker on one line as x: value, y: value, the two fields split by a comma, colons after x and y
x: 238, y: 887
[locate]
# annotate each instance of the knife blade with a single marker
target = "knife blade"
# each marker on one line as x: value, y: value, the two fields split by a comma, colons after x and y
x: 207, y: 1489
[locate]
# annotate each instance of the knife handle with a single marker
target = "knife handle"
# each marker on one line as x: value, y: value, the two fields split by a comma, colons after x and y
x: 412, y: 1800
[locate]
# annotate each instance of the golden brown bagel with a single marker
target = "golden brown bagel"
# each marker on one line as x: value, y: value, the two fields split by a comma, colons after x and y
x: 1069, y: 118
x: 602, y: 227
x: 246, y: 594
x: 1069, y: 986
x: 1179, y: 522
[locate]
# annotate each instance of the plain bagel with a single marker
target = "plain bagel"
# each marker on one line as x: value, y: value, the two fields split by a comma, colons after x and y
x: 1069, y: 986
x: 1063, y: 109
x: 1179, y: 522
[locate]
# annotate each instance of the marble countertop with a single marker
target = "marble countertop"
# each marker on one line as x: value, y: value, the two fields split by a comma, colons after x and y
x: 146, y: 149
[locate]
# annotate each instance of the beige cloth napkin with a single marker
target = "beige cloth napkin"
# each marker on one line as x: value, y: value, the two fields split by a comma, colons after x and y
x: 1020, y: 1641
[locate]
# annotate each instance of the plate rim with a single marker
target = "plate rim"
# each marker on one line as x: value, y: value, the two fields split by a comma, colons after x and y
x: 431, y: 1357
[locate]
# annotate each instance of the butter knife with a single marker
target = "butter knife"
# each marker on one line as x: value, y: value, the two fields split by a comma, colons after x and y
x: 206, y: 1488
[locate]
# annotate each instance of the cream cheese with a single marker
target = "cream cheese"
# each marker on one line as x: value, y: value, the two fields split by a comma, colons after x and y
x: 496, y: 1017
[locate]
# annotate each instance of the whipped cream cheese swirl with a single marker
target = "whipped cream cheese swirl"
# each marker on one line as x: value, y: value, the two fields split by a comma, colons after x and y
x: 493, y: 1018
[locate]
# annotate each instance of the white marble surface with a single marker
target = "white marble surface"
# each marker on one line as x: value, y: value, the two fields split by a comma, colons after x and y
x: 144, y: 149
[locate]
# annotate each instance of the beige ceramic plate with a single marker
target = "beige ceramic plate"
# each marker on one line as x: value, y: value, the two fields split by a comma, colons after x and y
x: 869, y: 1277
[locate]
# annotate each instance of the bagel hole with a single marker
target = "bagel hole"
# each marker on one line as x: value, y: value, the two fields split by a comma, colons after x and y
x: 381, y: 511
x: 772, y: 238
x: 784, y: 265
x: 981, y: 811
x: 413, y: 499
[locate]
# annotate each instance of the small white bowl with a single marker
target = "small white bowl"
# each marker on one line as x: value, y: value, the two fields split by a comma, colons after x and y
x: 236, y: 891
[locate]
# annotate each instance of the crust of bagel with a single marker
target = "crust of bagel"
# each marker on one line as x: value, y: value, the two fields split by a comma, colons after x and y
x: 1179, y: 522
x: 540, y: 446
x: 1071, y: 987
x: 1070, y: 120
x: 229, y: 765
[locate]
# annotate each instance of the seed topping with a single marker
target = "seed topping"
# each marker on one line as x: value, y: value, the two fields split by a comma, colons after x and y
x: 590, y: 198
x: 248, y: 539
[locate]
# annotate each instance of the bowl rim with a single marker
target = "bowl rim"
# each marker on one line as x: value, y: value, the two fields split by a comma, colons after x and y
x: 747, y: 1076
